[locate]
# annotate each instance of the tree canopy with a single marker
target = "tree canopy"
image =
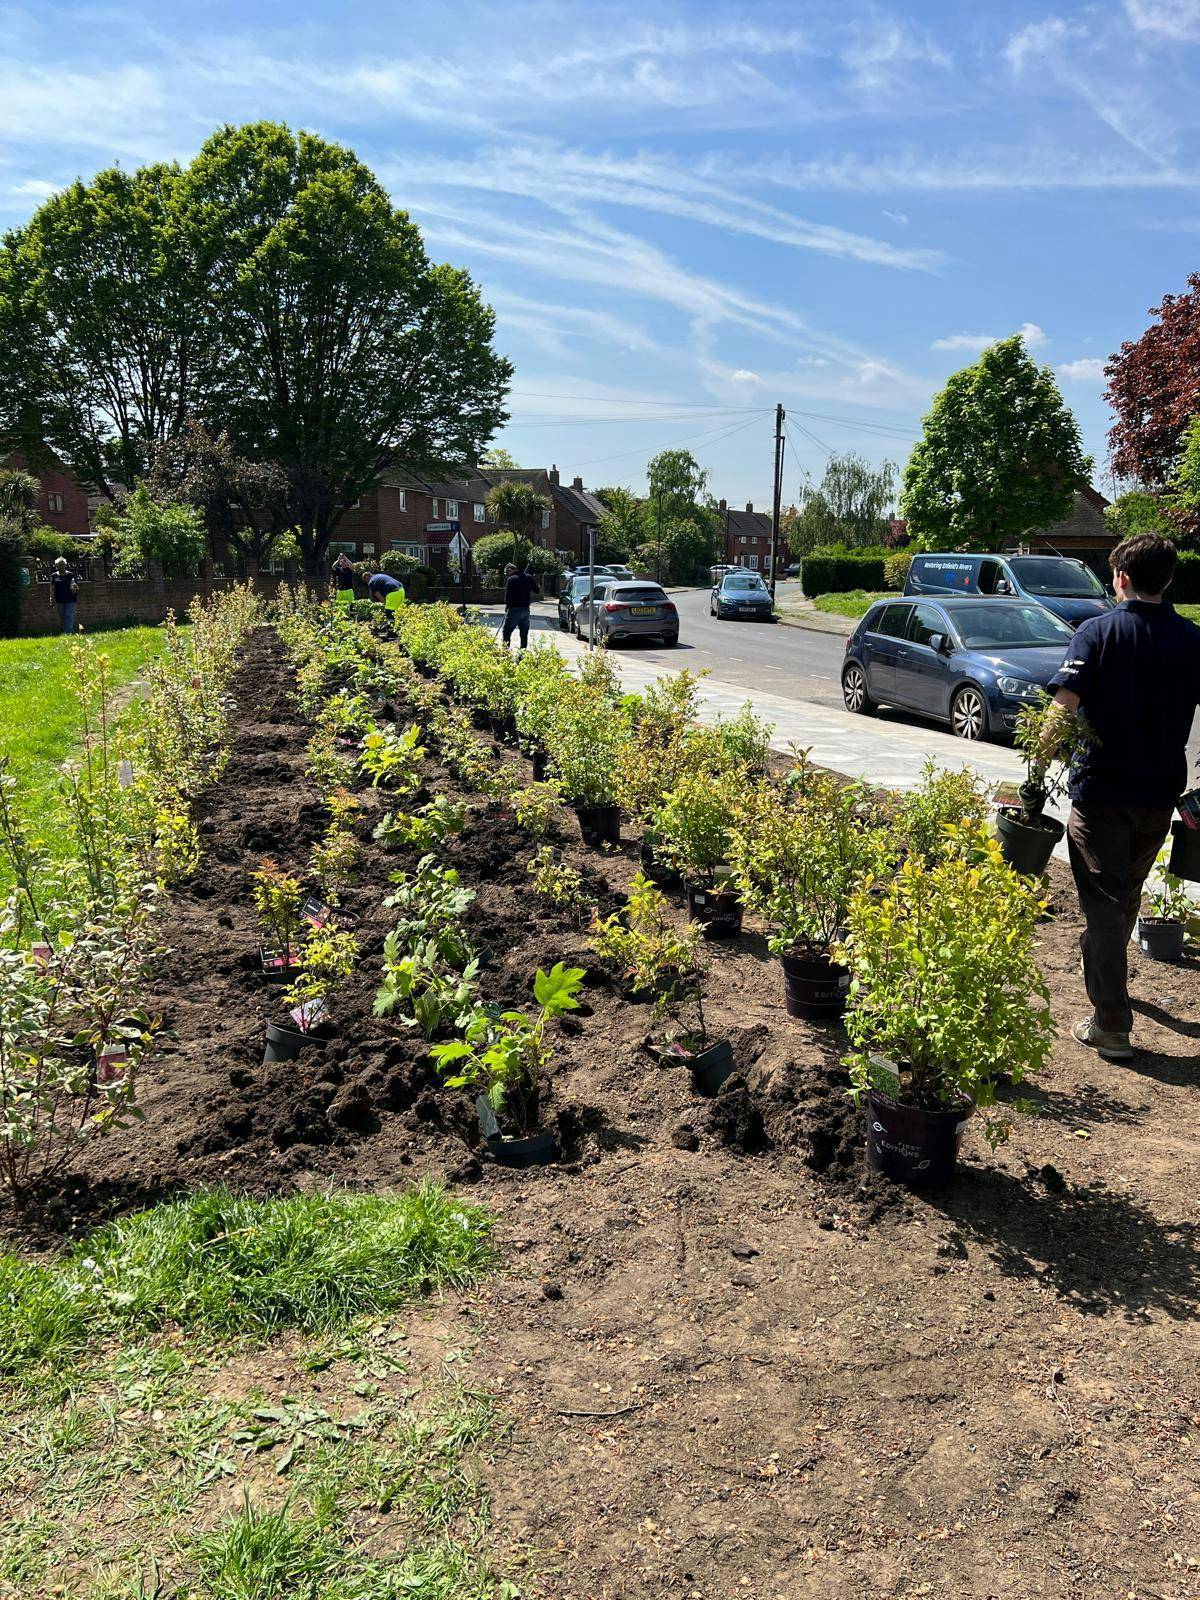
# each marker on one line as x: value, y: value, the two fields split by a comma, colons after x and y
x: 681, y: 526
x: 168, y: 534
x: 1000, y: 454
x: 850, y: 505
x: 239, y: 498
x: 1154, y: 389
x: 1138, y: 511
x: 271, y: 291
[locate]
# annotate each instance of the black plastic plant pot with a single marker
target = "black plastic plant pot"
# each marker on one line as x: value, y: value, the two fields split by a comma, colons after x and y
x: 710, y: 1068
x: 285, y: 1044
x: 599, y: 824
x: 1185, y: 852
x: 1160, y: 938
x: 657, y: 871
x: 526, y: 1150
x: 1027, y: 849
x: 277, y: 968
x: 540, y: 764
x: 911, y: 1146
x: 718, y: 911
x: 815, y: 987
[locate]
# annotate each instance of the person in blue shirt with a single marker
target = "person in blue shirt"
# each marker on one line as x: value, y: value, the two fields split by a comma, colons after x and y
x: 64, y: 591
x: 1134, y: 673
x: 388, y: 590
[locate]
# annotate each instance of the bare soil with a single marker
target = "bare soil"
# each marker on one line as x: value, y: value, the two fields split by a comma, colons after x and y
x: 737, y: 1365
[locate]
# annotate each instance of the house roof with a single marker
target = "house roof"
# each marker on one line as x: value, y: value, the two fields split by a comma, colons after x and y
x: 584, y: 507
x: 748, y: 523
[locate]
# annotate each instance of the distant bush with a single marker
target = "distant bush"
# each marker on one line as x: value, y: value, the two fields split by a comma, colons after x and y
x: 895, y: 570
x: 396, y: 565
x: 834, y: 569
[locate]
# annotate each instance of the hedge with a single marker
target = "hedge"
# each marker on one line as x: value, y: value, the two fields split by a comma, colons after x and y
x: 1185, y: 586
x: 834, y: 571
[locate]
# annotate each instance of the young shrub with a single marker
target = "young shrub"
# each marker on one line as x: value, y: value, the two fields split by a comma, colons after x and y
x: 738, y: 745
x: 540, y: 678
x: 347, y: 714
x: 653, y: 956
x: 537, y: 809
x: 421, y: 989
x: 432, y: 904
x: 695, y: 824
x: 72, y: 1036
x: 277, y: 896
x: 585, y: 739
x: 1050, y: 738
x: 327, y: 958
x: 946, y: 995
x: 799, y: 851
x: 928, y: 819
x: 1169, y: 899
x: 558, y: 884
x: 424, y: 829
x: 392, y: 760
x: 505, y: 1055
x: 338, y: 852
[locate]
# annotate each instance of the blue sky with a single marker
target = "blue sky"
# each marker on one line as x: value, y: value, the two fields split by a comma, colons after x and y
x: 685, y: 213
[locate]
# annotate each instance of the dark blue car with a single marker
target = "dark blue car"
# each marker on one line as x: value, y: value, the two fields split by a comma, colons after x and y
x: 972, y: 663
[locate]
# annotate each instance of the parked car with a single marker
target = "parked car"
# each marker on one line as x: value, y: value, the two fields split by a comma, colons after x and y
x: 575, y: 589
x: 635, y: 610
x: 1060, y: 583
x: 740, y: 593
x: 971, y: 663
x: 794, y: 570
x: 619, y: 570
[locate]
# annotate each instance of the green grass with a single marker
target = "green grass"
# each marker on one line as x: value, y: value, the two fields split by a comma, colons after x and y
x: 1192, y: 613
x: 39, y: 718
x: 226, y: 1265
x: 849, y: 603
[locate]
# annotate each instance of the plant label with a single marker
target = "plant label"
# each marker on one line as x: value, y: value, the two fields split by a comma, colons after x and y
x: 316, y: 911
x: 307, y: 1016
x: 125, y: 774
x: 112, y: 1064
x: 41, y: 953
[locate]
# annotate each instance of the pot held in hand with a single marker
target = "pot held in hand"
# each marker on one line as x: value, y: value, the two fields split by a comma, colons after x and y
x: 1025, y: 844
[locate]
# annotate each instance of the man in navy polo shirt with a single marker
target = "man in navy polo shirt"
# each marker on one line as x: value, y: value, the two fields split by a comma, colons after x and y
x: 1135, y: 674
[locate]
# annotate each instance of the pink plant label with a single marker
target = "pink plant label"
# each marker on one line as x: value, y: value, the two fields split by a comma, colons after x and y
x: 41, y: 953
x: 316, y: 911
x: 307, y: 1016
x: 111, y: 1065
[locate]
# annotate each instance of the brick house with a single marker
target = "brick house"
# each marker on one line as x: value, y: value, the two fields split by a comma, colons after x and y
x: 747, y: 537
x: 1082, y: 533
x: 63, y: 502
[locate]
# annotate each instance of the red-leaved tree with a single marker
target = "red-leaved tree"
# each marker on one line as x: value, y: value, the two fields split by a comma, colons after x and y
x: 1154, y: 388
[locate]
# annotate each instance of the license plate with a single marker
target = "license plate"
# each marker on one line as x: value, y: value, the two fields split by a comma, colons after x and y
x: 644, y: 611
x: 747, y: 611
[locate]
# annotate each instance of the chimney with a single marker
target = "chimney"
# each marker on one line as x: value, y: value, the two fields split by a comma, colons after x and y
x: 553, y: 474
x: 577, y: 483
x: 749, y: 505
x: 722, y: 507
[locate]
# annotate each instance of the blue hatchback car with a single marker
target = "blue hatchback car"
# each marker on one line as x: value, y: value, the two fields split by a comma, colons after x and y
x: 972, y: 663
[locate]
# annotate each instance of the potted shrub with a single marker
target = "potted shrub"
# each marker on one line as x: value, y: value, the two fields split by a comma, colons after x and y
x: 650, y: 761
x: 327, y: 958
x: 505, y: 1055
x: 1049, y: 738
x: 1185, y: 838
x: 559, y: 884
x: 799, y: 850
x: 655, y: 960
x: 277, y: 896
x: 928, y: 819
x: 1161, y: 935
x: 585, y: 739
x: 946, y: 997
x: 392, y: 760
x: 540, y: 677
x: 694, y: 825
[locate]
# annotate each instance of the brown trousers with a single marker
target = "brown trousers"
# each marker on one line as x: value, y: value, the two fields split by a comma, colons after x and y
x: 1112, y: 849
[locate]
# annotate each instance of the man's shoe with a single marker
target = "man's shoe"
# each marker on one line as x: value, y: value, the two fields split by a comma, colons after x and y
x: 1109, y: 1046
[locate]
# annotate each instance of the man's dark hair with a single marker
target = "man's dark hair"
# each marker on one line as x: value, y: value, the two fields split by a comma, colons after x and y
x: 1148, y: 559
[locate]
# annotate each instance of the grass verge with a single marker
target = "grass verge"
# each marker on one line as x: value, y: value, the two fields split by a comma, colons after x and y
x: 224, y: 1265
x: 848, y: 603
x: 39, y: 713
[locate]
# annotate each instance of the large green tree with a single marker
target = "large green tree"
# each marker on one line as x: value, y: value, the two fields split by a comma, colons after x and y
x: 518, y: 510
x: 271, y: 290
x: 622, y: 528
x: 103, y: 323
x: 850, y: 505
x: 241, y: 500
x: 682, y: 525
x: 1000, y: 454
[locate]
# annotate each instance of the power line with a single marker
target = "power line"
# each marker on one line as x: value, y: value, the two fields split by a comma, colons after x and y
x: 723, y: 431
x: 566, y: 421
x: 688, y: 406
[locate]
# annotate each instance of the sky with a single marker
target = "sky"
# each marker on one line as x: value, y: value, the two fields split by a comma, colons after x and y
x: 684, y: 214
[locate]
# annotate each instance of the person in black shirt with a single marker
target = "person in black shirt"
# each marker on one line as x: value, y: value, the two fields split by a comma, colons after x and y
x: 64, y: 592
x: 518, y: 595
x: 342, y: 573
x: 1134, y: 673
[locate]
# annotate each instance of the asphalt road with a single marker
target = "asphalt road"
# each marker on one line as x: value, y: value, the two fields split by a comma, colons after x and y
x: 754, y: 655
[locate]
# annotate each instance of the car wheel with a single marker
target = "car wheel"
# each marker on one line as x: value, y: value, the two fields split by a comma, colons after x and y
x: 854, y: 691
x: 712, y: 610
x: 670, y: 640
x: 575, y: 627
x: 969, y: 714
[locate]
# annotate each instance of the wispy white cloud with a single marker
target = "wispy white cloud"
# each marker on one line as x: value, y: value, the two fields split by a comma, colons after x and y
x: 919, y: 171
x: 35, y: 189
x: 1039, y: 40
x: 744, y: 378
x: 1088, y: 369
x: 55, y: 107
x: 1033, y: 336
x: 898, y: 217
x: 882, y: 49
x: 567, y: 179
x: 1175, y: 20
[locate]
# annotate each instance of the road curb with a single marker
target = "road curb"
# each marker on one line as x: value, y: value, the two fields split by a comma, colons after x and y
x: 825, y: 624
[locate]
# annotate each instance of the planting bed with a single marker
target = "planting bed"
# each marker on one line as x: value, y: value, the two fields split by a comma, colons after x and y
x: 734, y: 1365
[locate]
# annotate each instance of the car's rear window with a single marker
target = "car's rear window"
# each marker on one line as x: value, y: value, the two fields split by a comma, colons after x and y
x: 891, y: 620
x: 641, y: 594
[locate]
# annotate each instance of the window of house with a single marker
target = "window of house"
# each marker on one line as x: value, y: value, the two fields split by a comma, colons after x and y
x: 545, y: 519
x: 742, y: 539
x: 56, y: 501
x: 404, y: 499
x: 436, y: 503
x: 407, y: 548
x: 451, y: 510
x: 480, y: 512
x: 753, y: 562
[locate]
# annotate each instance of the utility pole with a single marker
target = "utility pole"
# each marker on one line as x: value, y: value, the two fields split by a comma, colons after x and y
x: 658, y: 557
x: 778, y: 494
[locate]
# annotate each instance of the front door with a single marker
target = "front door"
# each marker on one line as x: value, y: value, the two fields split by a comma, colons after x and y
x: 922, y: 676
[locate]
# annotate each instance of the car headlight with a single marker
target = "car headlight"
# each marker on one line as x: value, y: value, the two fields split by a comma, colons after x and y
x: 1019, y: 688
